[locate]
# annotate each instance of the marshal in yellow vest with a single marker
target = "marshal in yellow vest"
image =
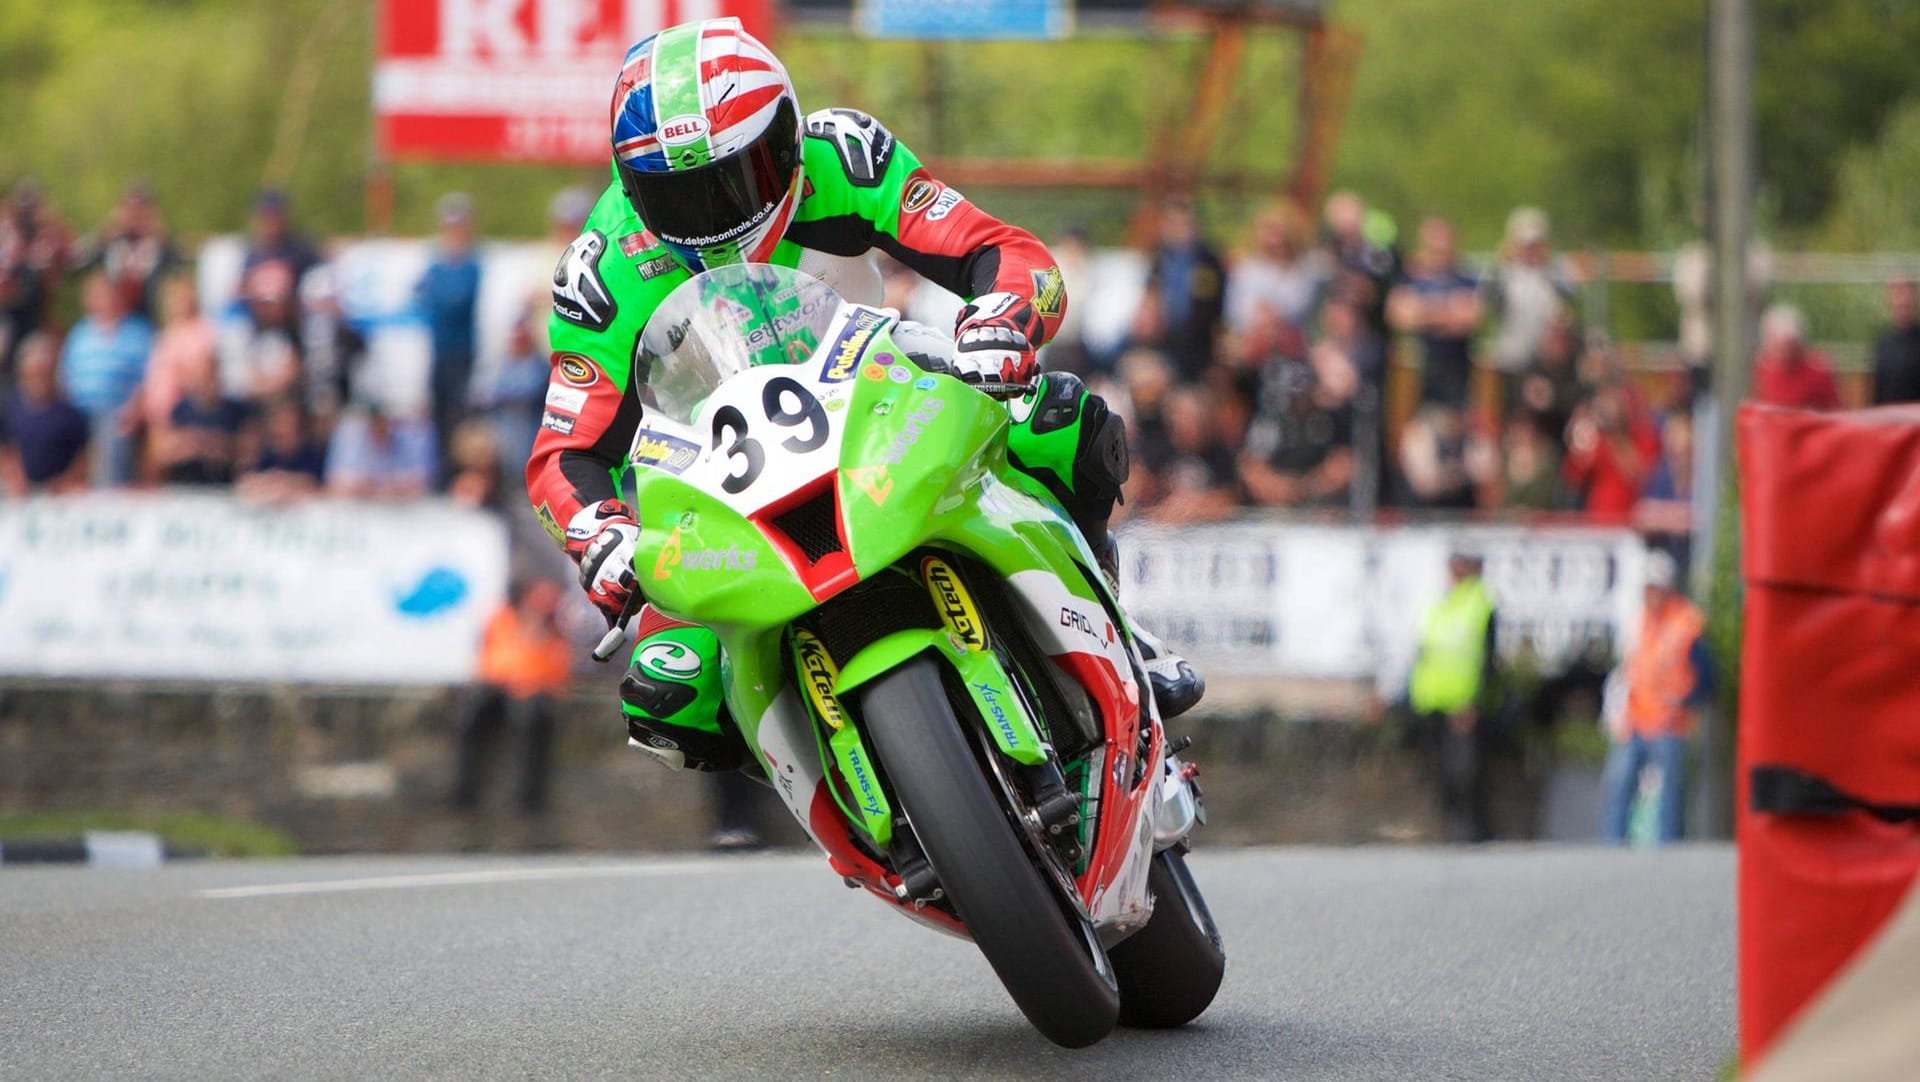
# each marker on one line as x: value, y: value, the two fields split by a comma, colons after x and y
x: 1453, y: 649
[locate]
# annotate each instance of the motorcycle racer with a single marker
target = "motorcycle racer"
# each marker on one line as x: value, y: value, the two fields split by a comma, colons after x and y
x: 715, y: 165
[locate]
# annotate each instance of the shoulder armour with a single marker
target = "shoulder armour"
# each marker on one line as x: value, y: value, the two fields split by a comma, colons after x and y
x: 580, y: 295
x: 865, y: 147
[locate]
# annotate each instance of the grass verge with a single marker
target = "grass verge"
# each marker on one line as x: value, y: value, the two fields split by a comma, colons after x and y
x: 219, y: 836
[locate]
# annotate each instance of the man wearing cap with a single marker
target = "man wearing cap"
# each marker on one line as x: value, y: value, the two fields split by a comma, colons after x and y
x: 1452, y: 676
x: 1669, y: 676
x: 446, y: 295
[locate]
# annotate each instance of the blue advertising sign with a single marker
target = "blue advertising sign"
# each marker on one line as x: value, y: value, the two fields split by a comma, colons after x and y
x: 958, y: 19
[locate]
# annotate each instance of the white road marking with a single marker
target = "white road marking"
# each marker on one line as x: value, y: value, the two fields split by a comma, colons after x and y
x: 460, y: 879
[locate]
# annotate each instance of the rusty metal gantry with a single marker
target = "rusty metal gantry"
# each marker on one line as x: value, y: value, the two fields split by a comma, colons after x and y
x: 1182, y: 148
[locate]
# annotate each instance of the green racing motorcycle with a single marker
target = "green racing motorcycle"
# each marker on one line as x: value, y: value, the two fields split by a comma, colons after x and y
x: 919, y: 647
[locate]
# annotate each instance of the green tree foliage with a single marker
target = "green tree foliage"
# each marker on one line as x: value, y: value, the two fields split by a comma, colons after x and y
x: 1591, y: 108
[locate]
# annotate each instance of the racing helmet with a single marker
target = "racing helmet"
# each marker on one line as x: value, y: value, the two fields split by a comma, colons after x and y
x: 706, y: 142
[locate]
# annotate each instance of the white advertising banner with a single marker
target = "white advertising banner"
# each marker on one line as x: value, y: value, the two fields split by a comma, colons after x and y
x: 1285, y: 600
x: 192, y: 587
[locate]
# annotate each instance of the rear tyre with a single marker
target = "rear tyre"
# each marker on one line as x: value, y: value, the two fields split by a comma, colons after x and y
x: 1008, y: 906
x: 1170, y: 970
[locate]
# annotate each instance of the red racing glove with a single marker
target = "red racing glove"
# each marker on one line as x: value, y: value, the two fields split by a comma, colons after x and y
x: 995, y: 339
x: 601, y: 539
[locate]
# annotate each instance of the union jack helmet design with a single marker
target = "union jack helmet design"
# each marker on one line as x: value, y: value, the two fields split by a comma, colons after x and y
x: 706, y: 141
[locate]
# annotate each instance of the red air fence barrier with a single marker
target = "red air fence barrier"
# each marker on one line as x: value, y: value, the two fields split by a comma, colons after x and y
x: 1829, y: 744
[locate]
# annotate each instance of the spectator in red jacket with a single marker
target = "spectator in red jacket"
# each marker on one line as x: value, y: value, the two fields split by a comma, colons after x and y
x: 1787, y: 371
x: 1612, y: 448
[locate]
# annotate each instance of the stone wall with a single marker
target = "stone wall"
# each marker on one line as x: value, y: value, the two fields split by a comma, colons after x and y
x: 347, y: 772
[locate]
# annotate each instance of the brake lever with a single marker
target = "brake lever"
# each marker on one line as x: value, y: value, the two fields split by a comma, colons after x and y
x: 616, y: 635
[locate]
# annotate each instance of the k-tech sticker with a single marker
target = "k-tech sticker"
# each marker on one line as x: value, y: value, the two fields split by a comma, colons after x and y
x: 576, y: 370
x: 579, y: 294
x: 562, y: 397
x: 555, y: 422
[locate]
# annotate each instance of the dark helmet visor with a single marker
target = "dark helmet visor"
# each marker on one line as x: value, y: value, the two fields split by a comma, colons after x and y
x: 723, y: 200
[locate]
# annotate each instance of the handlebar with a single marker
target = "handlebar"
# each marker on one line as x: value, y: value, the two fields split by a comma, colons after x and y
x: 1005, y: 390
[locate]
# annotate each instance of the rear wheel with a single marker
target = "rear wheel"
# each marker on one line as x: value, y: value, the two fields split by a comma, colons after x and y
x: 1008, y: 906
x: 1170, y: 970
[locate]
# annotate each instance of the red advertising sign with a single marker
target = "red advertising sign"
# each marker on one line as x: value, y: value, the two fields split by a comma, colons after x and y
x: 516, y: 80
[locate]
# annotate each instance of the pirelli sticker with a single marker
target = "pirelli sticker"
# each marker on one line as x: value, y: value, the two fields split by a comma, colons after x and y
x: 1049, y: 292
x: 817, y: 675
x: 956, y: 608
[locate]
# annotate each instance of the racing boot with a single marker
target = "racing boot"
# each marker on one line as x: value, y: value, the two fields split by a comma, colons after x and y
x: 672, y: 698
x: 1177, y: 687
x: 1066, y: 438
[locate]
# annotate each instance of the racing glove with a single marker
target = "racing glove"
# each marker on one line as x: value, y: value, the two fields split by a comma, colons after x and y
x: 995, y: 339
x: 601, y: 539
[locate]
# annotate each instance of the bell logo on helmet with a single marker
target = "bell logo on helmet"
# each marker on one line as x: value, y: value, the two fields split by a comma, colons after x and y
x: 683, y: 129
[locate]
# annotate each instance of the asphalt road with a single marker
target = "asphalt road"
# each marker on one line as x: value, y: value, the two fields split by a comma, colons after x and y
x: 1379, y: 963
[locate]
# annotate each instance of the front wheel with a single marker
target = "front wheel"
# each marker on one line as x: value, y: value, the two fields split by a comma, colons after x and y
x: 1170, y: 970
x: 1008, y: 906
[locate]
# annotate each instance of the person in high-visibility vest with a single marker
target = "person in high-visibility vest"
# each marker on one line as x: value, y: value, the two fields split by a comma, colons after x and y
x: 1451, y: 683
x: 1669, y: 677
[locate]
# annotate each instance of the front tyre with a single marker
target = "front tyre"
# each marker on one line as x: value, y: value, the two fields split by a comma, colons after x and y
x: 1008, y: 906
x: 1170, y: 970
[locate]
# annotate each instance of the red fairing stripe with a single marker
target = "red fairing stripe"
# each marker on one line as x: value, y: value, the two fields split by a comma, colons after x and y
x: 1119, y: 807
x: 967, y: 229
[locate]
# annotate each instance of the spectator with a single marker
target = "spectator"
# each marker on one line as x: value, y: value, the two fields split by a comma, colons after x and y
x: 1612, y: 448
x: 186, y: 341
x: 1359, y: 266
x: 1530, y: 466
x: 1787, y: 371
x: 1146, y: 377
x: 1549, y: 386
x: 1526, y: 295
x: 1669, y: 676
x: 473, y: 467
x: 290, y: 462
x: 33, y: 251
x: 1436, y: 460
x: 1666, y: 503
x: 1449, y: 691
x: 446, y: 295
x: 1193, y: 480
x: 519, y: 397
x: 1066, y: 351
x: 133, y: 250
x: 1693, y: 291
x: 1896, y: 355
x: 373, y: 456
x: 1347, y: 341
x: 1299, y: 450
x: 202, y: 439
x: 1275, y: 276
x: 260, y: 354
x: 525, y: 664
x: 567, y: 214
x: 331, y: 348
x: 1188, y: 281
x: 271, y: 238
x: 43, y: 437
x: 102, y: 365
x: 1440, y: 303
